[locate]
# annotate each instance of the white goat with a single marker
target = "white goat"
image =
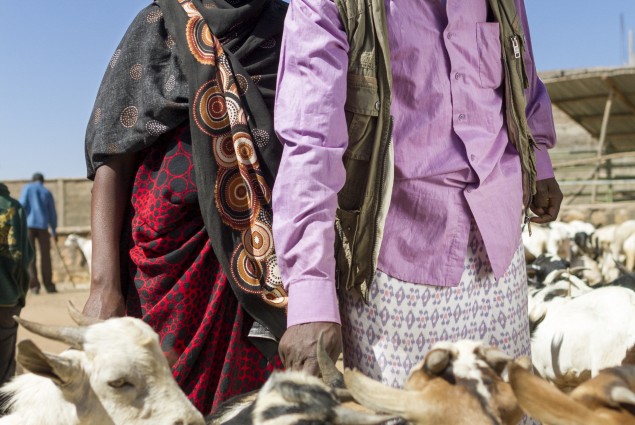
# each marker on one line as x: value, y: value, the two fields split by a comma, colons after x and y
x: 83, y: 244
x: 457, y: 383
x: 115, y: 375
x: 579, y: 336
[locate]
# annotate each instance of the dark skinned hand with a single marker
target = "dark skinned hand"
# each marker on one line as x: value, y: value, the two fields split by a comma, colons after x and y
x: 298, y: 345
x: 546, y: 202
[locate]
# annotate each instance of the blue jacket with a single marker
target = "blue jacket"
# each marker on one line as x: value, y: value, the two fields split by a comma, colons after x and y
x: 39, y: 206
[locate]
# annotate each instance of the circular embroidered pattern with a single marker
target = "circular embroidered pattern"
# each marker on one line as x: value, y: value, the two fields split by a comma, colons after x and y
x: 210, y: 110
x: 169, y: 41
x: 273, y: 279
x: 268, y: 44
x: 154, y: 16
x: 258, y: 241
x: 245, y: 152
x: 97, y: 116
x: 224, y: 150
x: 135, y: 71
x: 243, y: 85
x: 115, y: 58
x: 261, y: 137
x: 129, y: 116
x: 259, y: 186
x: 200, y: 40
x: 234, y: 199
x: 276, y: 297
x: 235, y: 112
x: 170, y: 84
x: 246, y: 271
x: 189, y: 8
x: 156, y: 128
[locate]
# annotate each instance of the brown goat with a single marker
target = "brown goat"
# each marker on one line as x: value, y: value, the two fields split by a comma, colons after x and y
x: 607, y: 399
x: 456, y: 384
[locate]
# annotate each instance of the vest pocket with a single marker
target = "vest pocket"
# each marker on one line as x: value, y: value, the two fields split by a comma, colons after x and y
x: 490, y: 58
x: 361, y: 108
x: 346, y: 223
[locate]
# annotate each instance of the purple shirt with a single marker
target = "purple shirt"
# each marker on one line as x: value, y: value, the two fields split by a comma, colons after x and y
x: 453, y: 161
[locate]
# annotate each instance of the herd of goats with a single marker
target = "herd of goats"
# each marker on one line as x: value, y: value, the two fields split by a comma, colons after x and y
x: 582, y: 371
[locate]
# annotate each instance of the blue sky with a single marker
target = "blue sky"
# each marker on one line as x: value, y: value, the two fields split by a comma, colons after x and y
x: 55, y: 52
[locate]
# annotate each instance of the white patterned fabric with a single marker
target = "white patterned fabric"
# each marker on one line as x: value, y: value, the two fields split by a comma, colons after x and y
x: 386, y: 337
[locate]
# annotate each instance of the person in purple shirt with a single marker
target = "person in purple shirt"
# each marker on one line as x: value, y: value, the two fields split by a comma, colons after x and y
x: 451, y: 262
x: 41, y: 215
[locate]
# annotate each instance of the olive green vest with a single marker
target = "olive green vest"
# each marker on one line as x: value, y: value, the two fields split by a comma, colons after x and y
x: 364, y: 200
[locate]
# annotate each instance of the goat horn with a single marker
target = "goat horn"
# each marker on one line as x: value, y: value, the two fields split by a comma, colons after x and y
x: 345, y: 416
x: 330, y: 375
x: 71, y: 335
x: 622, y: 395
x: 377, y: 396
x: 551, y: 277
x: 79, y: 318
x: 436, y: 361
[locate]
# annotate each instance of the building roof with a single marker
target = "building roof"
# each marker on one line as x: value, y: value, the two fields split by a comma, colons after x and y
x: 583, y: 94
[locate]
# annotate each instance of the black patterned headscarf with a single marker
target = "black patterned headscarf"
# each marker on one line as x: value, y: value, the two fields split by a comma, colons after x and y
x: 226, y: 47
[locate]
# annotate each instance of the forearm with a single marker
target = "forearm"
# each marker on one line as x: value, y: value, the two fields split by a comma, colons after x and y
x: 310, y: 122
x: 110, y: 196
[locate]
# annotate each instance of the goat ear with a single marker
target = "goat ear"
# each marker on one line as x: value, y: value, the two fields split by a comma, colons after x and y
x: 58, y: 369
x: 436, y: 361
x: 544, y: 402
x: 345, y: 416
x: 495, y: 358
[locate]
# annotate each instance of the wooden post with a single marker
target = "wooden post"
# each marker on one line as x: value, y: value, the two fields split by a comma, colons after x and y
x: 600, y: 152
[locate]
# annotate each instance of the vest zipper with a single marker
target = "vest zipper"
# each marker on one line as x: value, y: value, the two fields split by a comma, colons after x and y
x: 380, y: 183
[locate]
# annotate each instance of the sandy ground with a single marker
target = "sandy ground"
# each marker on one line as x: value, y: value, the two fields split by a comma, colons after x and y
x: 51, y: 309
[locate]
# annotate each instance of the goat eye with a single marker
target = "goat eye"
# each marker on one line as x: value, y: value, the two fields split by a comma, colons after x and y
x: 119, y: 383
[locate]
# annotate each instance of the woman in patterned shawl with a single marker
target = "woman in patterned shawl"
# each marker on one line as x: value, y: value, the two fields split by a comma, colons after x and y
x: 183, y: 156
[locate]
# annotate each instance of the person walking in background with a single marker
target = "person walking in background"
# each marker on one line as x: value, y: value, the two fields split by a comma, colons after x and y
x: 16, y: 254
x: 39, y: 205
x: 416, y: 133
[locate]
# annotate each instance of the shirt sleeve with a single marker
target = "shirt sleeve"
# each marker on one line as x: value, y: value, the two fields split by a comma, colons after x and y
x: 143, y: 94
x: 539, y: 113
x: 310, y: 122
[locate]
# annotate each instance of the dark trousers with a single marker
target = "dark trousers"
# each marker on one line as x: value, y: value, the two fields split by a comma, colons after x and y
x: 8, y: 336
x: 43, y: 239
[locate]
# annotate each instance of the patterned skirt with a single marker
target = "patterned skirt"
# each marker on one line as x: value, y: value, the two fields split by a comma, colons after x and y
x: 402, y: 321
x: 179, y: 287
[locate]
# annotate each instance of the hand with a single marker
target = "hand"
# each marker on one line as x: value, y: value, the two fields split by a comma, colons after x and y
x: 546, y: 202
x: 104, y: 303
x: 298, y: 345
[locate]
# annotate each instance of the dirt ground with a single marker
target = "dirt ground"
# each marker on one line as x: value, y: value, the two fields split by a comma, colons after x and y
x: 51, y: 309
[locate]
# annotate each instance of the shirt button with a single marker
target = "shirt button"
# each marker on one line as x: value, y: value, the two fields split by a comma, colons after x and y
x: 449, y: 35
x: 457, y: 76
x: 461, y: 117
x: 473, y: 157
x: 469, y: 189
x: 377, y: 105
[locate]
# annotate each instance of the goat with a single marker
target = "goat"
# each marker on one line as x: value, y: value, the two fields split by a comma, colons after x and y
x: 579, y: 336
x: 456, y: 384
x: 115, y: 374
x: 607, y: 399
x: 297, y: 398
x: 83, y: 244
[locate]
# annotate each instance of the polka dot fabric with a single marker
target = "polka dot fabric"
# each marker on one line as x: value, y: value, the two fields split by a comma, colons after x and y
x: 179, y: 287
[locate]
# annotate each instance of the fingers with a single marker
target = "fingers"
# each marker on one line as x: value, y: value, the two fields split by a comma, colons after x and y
x: 546, y: 202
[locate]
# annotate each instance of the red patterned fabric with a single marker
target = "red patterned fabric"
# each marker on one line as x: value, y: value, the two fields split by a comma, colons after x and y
x: 179, y: 287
